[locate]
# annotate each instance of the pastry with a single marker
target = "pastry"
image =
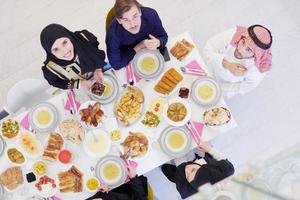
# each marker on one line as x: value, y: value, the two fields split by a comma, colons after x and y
x: 168, y: 82
x: 181, y: 49
x: 54, y: 145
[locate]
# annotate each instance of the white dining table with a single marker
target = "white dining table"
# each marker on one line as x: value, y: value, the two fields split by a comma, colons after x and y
x: 153, y: 159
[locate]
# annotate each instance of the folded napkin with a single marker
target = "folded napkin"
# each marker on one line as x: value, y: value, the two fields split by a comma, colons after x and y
x: 195, y: 67
x: 132, y: 164
x: 196, y: 129
x: 131, y: 75
x: 70, y: 101
x: 55, y: 198
x: 25, y: 122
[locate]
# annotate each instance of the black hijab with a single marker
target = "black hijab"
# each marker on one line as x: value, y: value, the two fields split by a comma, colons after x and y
x: 90, y: 57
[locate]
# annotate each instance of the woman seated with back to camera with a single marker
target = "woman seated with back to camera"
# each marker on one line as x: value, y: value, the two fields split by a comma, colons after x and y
x: 190, y: 175
x: 133, y: 28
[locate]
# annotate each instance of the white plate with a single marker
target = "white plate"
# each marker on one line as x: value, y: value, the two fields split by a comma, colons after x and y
x: 114, y: 90
x: 210, y: 83
x: 103, y: 141
x: 49, y: 193
x: 2, y: 145
x: 86, y: 105
x: 47, y: 127
x: 21, y: 151
x: 140, y: 157
x: 38, y: 143
x: 141, y: 108
x: 188, y: 114
x: 175, y: 89
x: 155, y: 55
x: 85, y: 184
x: 175, y: 153
x: 121, y: 166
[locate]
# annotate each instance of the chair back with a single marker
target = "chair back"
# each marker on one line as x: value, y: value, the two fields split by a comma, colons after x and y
x: 26, y: 93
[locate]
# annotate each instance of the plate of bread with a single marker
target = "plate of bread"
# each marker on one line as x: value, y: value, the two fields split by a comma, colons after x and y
x: 54, y: 144
x: 168, y: 82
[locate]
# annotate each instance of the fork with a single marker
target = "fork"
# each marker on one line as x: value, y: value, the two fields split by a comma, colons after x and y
x: 124, y: 85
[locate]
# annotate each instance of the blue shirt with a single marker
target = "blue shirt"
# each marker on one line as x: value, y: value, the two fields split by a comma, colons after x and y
x: 120, y: 42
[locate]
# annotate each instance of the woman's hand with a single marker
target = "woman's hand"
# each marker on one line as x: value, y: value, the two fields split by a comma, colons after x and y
x: 86, y: 84
x: 204, y: 147
x: 103, y: 188
x: 152, y: 43
x: 131, y: 171
x: 235, y: 68
x: 98, y: 75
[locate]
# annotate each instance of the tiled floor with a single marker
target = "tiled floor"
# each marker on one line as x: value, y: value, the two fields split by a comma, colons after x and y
x: 268, y: 118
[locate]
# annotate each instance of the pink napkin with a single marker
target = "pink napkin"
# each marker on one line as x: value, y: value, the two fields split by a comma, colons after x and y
x: 195, y: 66
x: 25, y: 122
x: 132, y: 164
x: 130, y: 74
x: 196, y: 130
x: 70, y: 101
x: 55, y: 198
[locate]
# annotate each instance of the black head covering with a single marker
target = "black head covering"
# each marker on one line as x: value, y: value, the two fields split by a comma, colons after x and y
x: 90, y: 57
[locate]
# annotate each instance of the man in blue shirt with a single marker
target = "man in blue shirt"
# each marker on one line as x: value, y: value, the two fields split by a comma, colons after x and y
x: 133, y: 28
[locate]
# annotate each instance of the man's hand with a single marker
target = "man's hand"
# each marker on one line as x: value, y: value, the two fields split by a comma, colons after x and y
x: 235, y: 68
x: 98, y: 75
x: 139, y: 46
x: 152, y: 43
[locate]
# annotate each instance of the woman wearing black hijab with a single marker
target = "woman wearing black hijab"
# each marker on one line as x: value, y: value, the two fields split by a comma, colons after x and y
x: 135, y: 189
x: 71, y: 57
x: 189, y: 176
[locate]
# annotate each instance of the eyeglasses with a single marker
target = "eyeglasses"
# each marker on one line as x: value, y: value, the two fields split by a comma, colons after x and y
x: 135, y: 18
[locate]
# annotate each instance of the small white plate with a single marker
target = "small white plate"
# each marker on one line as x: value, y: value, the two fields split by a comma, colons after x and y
x: 49, y: 193
x: 38, y: 144
x: 21, y: 151
x: 188, y: 114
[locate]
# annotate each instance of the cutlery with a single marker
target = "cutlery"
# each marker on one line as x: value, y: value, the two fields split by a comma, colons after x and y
x: 193, y: 132
x: 192, y: 71
x: 74, y: 107
x: 94, y: 137
x: 131, y: 80
x: 124, y: 85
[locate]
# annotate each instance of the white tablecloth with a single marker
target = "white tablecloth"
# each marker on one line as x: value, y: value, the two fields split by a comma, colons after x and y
x: 153, y: 159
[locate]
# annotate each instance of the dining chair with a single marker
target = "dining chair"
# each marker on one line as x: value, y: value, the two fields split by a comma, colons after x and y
x: 110, y: 16
x: 25, y: 94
